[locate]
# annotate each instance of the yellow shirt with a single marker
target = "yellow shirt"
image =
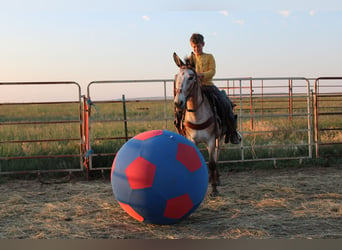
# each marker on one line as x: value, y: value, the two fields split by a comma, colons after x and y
x: 205, y: 64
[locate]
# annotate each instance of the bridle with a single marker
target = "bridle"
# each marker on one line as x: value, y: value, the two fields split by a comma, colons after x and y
x: 191, y: 91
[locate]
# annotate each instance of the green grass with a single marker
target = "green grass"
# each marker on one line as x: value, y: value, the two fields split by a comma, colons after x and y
x: 271, y: 130
x: 39, y: 112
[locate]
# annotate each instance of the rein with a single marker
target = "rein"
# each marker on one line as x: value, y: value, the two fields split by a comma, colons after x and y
x: 192, y: 91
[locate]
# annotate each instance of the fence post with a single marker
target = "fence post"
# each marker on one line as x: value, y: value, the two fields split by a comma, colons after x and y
x: 241, y: 124
x: 86, y: 145
x: 316, y: 116
x: 290, y: 99
x: 262, y: 100
x: 251, y: 102
x: 125, y: 116
x: 310, y: 120
x: 165, y: 105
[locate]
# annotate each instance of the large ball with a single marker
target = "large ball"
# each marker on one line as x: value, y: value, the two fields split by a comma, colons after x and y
x: 159, y: 177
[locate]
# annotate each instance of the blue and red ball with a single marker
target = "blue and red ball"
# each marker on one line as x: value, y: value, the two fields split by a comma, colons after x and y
x: 159, y: 177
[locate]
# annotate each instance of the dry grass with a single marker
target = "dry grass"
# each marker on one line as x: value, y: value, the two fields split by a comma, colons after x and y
x: 258, y: 204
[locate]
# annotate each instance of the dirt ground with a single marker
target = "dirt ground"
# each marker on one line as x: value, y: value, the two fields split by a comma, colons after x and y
x: 255, y: 204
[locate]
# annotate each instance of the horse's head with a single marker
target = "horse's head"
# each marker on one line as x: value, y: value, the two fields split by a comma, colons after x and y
x: 185, y: 80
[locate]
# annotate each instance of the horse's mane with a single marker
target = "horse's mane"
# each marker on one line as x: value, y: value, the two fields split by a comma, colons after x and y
x: 190, y: 61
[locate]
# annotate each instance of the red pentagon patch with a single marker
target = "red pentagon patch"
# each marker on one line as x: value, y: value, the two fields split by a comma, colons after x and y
x: 188, y: 156
x: 148, y: 134
x: 177, y: 207
x: 131, y: 211
x: 140, y: 173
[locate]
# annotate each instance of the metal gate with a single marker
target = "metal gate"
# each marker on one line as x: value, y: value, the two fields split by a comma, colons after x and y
x: 328, y: 117
x: 110, y: 123
x: 39, y: 136
x: 275, y: 119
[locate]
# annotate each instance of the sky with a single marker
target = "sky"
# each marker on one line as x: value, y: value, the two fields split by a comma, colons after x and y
x: 84, y: 40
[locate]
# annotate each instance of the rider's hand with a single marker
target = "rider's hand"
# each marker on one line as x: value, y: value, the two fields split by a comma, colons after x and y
x: 200, y: 76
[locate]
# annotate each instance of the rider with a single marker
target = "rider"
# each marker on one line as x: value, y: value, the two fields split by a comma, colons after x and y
x: 205, y: 68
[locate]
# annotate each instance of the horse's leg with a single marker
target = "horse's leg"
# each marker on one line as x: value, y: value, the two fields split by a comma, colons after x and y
x: 212, y: 169
x: 217, y: 153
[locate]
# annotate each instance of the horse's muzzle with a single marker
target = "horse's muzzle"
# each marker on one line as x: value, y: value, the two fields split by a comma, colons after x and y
x: 180, y: 104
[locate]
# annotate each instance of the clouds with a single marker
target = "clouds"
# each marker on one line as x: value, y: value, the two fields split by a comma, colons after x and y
x: 312, y: 12
x: 146, y: 18
x: 287, y: 13
x: 284, y: 13
x: 266, y: 19
x: 240, y: 21
x: 224, y: 12
x: 234, y: 21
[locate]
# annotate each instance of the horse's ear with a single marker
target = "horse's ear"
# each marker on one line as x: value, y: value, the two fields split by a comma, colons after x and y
x: 192, y: 60
x: 177, y: 60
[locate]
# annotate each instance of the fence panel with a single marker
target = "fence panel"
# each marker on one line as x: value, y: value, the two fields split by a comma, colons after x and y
x: 118, y: 110
x: 39, y: 133
x: 275, y: 119
x: 278, y: 118
x: 328, y: 117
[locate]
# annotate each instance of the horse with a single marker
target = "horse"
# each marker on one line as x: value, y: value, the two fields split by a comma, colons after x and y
x: 200, y: 124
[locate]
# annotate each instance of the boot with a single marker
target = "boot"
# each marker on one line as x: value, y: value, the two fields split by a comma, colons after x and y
x: 234, y: 137
x: 227, y: 137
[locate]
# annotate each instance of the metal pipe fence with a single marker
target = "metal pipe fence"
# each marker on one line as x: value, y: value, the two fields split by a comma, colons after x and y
x: 328, y: 110
x: 279, y: 119
x: 261, y: 103
x: 120, y: 112
x: 275, y: 118
x: 34, y: 135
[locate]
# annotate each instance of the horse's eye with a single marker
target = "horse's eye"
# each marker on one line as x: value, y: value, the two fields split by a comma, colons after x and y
x: 191, y: 78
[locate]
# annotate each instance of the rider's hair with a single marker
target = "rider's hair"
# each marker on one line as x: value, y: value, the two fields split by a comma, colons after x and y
x: 197, y: 38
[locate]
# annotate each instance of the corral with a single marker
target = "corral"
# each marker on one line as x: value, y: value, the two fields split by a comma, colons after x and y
x: 274, y: 184
x: 290, y: 203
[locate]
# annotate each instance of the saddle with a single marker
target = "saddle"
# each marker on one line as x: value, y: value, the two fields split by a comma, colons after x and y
x: 219, y: 102
x: 215, y: 108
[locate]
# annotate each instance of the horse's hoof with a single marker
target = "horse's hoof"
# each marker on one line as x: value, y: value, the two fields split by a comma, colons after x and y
x: 214, y: 194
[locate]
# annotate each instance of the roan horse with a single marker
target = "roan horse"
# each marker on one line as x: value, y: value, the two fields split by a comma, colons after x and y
x: 199, y: 123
